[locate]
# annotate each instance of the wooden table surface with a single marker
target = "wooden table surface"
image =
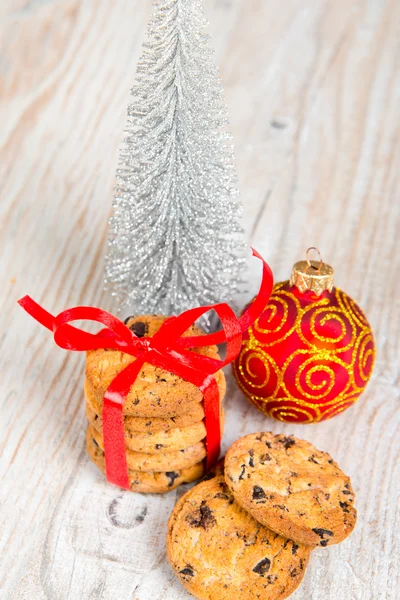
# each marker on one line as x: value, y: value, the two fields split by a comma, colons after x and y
x: 314, y: 100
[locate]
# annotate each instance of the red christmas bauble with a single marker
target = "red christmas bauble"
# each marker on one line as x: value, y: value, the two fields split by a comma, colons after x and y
x: 310, y: 354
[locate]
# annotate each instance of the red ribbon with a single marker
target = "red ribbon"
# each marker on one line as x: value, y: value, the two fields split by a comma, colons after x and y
x: 167, y: 349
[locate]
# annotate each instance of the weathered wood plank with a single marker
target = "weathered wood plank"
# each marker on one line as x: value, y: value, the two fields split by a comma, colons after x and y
x: 313, y: 94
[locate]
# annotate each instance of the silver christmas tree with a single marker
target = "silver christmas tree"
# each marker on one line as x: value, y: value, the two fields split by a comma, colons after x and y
x: 175, y: 238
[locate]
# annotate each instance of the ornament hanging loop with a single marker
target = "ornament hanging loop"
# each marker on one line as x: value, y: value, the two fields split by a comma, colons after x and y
x: 313, y: 248
x: 310, y: 276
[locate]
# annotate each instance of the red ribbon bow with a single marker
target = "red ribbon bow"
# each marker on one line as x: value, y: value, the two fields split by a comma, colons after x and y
x: 167, y: 349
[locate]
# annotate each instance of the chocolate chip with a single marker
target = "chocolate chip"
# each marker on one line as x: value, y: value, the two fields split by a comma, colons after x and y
x: 251, y: 461
x: 288, y: 442
x: 272, y: 578
x: 262, y: 567
x: 258, y: 493
x: 294, y: 548
x: 280, y: 506
x: 344, y: 506
x: 128, y: 319
x: 264, y: 458
x: 187, y: 572
x: 312, y: 459
x: 322, y: 533
x: 139, y: 328
x: 347, y: 486
x: 95, y: 443
x: 302, y: 561
x: 293, y: 572
x: 148, y: 423
x: 222, y: 496
x: 171, y: 476
x: 241, y: 476
x: 347, y: 492
x: 203, y: 517
x: 260, y: 438
x: 136, y: 402
x: 324, y: 543
x: 159, y: 446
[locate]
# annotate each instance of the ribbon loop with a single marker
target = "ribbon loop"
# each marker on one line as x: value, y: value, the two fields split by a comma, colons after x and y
x: 72, y: 338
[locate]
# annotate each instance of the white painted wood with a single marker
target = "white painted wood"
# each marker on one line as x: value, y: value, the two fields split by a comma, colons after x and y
x: 314, y: 99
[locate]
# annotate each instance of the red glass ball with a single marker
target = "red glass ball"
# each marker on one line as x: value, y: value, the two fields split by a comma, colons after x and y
x: 308, y: 357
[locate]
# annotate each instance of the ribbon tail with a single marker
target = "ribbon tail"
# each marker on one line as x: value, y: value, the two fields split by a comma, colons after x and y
x: 261, y: 300
x: 212, y: 414
x: 114, y: 444
x: 37, y: 312
x: 113, y: 425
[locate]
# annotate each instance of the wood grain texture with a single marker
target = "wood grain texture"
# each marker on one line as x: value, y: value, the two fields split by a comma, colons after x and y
x: 314, y: 99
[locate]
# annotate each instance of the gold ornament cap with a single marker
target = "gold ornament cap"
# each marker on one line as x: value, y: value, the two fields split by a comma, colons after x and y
x: 312, y: 275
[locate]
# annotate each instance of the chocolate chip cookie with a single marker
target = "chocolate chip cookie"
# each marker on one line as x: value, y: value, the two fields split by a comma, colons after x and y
x: 219, y: 552
x: 161, y: 441
x: 165, y: 461
x: 147, y: 483
x: 292, y: 488
x: 94, y: 409
x: 155, y: 392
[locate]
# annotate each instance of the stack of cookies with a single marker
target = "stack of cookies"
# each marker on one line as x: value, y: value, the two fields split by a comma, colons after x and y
x: 163, y: 415
x: 248, y: 530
